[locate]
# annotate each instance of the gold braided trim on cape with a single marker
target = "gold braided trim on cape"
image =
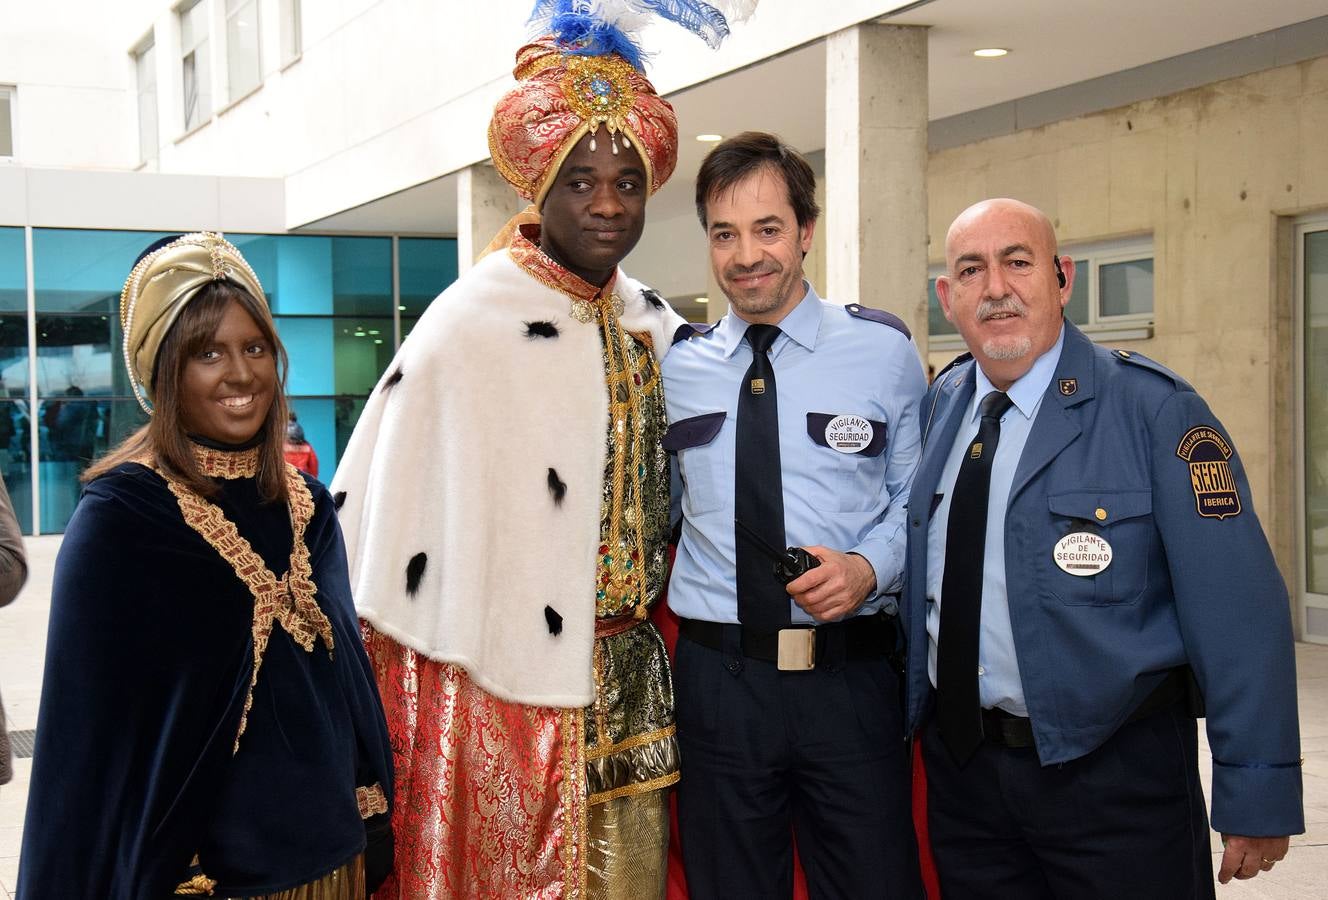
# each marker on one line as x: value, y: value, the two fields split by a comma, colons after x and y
x: 345, y: 882
x: 287, y: 601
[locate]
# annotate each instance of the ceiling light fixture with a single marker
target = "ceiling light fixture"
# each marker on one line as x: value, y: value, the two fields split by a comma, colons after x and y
x: 990, y: 52
x: 709, y: 138
x: 702, y: 299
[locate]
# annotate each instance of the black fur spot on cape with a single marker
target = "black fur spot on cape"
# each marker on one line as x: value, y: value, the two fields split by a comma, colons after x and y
x: 557, y: 487
x: 555, y: 621
x: 414, y: 572
x: 392, y: 380
x: 541, y: 330
x: 338, y: 498
x: 653, y: 297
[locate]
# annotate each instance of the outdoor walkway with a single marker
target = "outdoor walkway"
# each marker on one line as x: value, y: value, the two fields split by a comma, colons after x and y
x: 1302, y: 876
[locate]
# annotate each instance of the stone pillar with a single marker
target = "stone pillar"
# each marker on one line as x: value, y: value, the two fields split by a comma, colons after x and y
x: 484, y: 204
x: 875, y: 217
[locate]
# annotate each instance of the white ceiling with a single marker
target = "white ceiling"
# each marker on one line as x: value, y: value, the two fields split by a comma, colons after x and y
x: 1052, y: 44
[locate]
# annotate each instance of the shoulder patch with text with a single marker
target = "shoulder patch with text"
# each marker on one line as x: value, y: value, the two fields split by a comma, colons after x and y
x: 1207, y: 452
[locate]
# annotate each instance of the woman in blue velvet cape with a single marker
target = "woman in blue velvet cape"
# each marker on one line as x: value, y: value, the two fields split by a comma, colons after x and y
x: 209, y: 722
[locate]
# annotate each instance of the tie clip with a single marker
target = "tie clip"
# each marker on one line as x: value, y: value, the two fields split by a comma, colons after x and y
x: 976, y: 451
x: 758, y: 385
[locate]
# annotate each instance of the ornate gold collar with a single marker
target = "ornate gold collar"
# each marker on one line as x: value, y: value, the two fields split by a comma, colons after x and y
x: 228, y: 464
x: 585, y: 297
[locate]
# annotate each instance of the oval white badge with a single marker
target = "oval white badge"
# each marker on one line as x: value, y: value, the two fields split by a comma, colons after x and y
x: 848, y: 434
x: 1082, y: 553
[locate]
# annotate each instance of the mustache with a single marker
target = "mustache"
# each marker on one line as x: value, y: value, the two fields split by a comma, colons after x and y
x: 749, y: 271
x: 1008, y: 305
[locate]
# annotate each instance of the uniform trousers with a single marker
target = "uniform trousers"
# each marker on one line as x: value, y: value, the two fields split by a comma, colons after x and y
x: 1127, y: 820
x: 770, y: 755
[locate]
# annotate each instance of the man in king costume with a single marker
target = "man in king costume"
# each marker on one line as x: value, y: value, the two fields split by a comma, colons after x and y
x: 505, y: 504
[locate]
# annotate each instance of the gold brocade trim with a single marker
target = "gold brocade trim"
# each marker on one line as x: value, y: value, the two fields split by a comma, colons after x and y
x: 642, y: 787
x: 574, y: 803
x: 289, y: 600
x: 372, y: 801
x: 599, y: 751
x: 585, y: 296
x: 198, y: 886
x: 227, y: 464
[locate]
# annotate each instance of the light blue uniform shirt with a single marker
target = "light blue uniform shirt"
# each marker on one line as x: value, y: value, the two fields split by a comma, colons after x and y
x: 999, y: 684
x: 826, y: 363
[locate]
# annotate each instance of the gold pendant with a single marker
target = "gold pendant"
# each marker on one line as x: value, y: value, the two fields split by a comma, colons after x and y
x: 583, y: 311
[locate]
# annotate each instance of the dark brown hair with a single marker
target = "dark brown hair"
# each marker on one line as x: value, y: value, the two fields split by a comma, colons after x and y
x: 743, y: 154
x: 164, y: 437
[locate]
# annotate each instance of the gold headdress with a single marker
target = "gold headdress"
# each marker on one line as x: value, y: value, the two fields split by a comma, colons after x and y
x: 161, y: 284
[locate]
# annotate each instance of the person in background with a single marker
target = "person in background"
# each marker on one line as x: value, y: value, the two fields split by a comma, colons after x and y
x: 299, y: 452
x: 13, y: 573
x: 209, y: 723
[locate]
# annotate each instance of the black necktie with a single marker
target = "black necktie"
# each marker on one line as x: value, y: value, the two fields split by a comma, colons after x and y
x: 758, y: 499
x: 958, y: 711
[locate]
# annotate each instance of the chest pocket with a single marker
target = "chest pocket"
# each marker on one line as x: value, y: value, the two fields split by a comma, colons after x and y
x: 850, y: 463
x: 1124, y: 519
x: 693, y: 441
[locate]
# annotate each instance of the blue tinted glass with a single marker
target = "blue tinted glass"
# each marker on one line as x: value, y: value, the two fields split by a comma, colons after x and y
x: 72, y: 431
x: 428, y: 265
x: 14, y: 462
x: 14, y: 356
x: 308, y: 275
x: 83, y: 271
x: 13, y: 270
x: 342, y: 355
x: 78, y: 355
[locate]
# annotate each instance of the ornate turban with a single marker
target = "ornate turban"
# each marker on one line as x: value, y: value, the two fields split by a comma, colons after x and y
x: 562, y: 96
x: 162, y: 283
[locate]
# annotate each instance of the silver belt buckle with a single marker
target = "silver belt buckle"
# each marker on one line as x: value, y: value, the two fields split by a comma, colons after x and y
x: 797, y: 649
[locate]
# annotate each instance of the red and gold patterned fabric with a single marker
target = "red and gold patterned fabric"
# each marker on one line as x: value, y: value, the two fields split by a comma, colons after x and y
x: 559, y: 99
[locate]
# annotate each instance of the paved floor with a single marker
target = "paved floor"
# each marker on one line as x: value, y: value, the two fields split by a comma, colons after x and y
x: 1302, y: 875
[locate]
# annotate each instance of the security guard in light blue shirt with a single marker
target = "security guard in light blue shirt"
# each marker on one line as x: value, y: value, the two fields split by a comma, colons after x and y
x: 795, y: 424
x: 1122, y: 582
x: 833, y: 361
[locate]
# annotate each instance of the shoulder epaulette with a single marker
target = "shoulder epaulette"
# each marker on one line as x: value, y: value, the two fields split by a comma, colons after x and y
x: 687, y: 329
x: 1129, y: 357
x: 958, y: 360
x: 880, y: 316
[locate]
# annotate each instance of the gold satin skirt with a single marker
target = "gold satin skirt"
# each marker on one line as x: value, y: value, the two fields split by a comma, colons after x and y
x: 344, y: 883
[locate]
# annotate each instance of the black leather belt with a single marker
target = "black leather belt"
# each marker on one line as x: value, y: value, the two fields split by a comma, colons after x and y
x: 863, y: 637
x: 1016, y: 732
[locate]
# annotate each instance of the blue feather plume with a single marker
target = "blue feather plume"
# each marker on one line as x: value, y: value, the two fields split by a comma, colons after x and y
x: 597, y: 27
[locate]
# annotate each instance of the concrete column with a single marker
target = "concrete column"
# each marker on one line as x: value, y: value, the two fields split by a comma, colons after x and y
x: 484, y: 204
x: 875, y: 216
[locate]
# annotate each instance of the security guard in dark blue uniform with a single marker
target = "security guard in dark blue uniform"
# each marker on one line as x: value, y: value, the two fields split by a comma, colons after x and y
x: 1085, y: 569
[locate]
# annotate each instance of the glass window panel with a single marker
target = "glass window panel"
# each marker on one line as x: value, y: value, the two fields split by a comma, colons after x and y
x: 6, y: 121
x: 13, y: 356
x: 73, y: 431
x: 145, y: 63
x: 83, y: 271
x: 78, y: 356
x: 1076, y: 310
x: 1125, y: 288
x: 335, y: 355
x: 14, y: 464
x: 937, y: 323
x: 291, y: 39
x: 242, y: 62
x: 362, y: 276
x: 428, y: 266
x: 195, y: 62
x: 1316, y: 412
x: 13, y: 270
